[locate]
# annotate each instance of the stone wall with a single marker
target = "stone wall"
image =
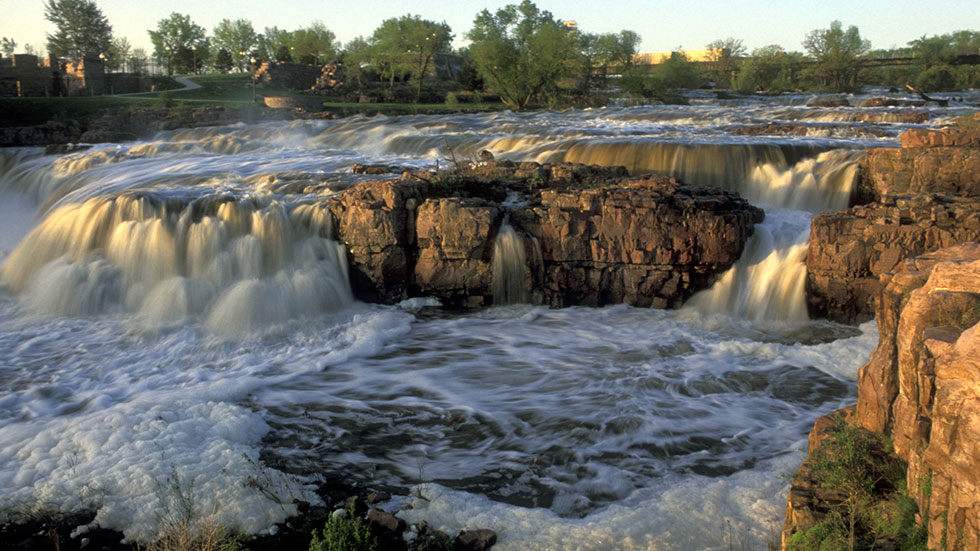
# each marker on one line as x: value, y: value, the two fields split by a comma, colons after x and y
x: 25, y: 75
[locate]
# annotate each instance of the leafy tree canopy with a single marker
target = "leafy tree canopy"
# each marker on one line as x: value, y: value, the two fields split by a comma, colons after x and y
x: 174, y: 36
x: 839, y: 54
x: 237, y: 37
x: 409, y: 44
x: 80, y: 28
x: 522, y: 52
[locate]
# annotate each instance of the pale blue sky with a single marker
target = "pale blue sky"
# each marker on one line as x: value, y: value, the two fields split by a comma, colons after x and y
x: 663, y: 24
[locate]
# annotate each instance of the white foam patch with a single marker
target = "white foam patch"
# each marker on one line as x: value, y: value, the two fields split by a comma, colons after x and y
x: 742, y: 511
x: 130, y: 462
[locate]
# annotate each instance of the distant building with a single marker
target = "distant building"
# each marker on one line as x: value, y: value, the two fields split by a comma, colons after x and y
x: 656, y: 58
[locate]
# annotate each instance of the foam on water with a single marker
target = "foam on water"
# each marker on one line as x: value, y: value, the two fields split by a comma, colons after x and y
x: 179, y: 318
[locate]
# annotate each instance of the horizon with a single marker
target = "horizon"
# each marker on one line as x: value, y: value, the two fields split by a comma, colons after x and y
x: 754, y: 22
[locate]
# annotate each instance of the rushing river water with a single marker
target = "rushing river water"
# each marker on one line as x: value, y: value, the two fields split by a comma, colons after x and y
x: 176, y: 317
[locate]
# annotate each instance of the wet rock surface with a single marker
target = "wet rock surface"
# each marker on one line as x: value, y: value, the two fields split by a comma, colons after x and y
x: 592, y: 235
x: 921, y: 198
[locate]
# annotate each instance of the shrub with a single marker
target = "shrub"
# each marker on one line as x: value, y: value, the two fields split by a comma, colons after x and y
x: 343, y: 532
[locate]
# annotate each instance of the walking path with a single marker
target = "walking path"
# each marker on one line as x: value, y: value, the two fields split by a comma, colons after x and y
x: 188, y: 85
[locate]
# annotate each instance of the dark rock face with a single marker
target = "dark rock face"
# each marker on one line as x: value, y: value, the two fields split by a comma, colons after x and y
x: 920, y: 199
x: 48, y: 133
x: 646, y: 243
x: 650, y: 242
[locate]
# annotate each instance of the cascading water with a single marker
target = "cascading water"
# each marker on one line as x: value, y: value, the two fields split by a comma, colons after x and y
x: 509, y: 265
x: 768, y: 280
x: 129, y: 350
x: 242, y: 266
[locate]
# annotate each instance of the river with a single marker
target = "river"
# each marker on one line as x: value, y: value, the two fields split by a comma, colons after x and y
x: 150, y: 351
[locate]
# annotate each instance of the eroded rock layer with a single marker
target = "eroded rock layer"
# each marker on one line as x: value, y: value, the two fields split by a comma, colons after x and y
x: 592, y: 236
x: 920, y: 198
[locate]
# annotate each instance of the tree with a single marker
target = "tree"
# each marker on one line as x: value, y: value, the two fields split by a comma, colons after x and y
x: 314, y: 44
x: 769, y: 68
x: 138, y: 60
x: 223, y: 61
x: 278, y: 43
x: 118, y: 53
x: 839, y: 54
x: 409, y: 44
x: 80, y: 28
x: 723, y: 59
x: 601, y: 53
x: 522, y: 52
x: 8, y: 46
x: 173, y: 36
x: 238, y: 37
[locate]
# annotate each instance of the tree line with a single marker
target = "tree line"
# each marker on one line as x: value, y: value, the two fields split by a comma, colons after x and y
x: 521, y: 53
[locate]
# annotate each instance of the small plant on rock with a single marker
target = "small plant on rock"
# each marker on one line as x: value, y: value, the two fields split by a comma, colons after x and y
x: 344, y: 531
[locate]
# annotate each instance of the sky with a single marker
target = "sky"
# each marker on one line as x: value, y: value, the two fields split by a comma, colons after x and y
x: 663, y: 25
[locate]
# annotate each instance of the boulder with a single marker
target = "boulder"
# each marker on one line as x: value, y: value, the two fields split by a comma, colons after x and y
x: 475, y: 540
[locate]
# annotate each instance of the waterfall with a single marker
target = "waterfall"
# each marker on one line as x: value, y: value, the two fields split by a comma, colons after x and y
x: 509, y: 265
x: 768, y: 280
x: 240, y: 265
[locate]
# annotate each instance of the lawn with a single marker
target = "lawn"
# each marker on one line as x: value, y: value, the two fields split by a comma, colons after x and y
x: 226, y: 90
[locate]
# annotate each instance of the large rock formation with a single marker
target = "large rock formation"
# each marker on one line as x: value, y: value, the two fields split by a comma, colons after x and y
x: 922, y: 389
x: 923, y: 197
x: 647, y: 242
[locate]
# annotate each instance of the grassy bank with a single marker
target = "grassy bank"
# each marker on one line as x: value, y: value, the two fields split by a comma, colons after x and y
x: 232, y: 91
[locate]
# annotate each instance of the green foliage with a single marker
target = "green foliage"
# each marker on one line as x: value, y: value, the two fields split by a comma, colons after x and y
x: 407, y: 45
x: 238, y: 38
x: 451, y: 99
x: 223, y: 62
x: 769, y: 69
x: 314, y: 45
x: 826, y: 536
x: 869, y: 482
x: 80, y: 28
x: 935, y: 79
x: 839, y: 55
x: 7, y: 46
x: 522, y: 53
x: 343, y: 533
x: 723, y: 61
x: 174, y: 39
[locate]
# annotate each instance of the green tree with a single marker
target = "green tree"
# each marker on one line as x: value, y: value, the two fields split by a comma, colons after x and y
x: 409, y: 44
x: 603, y: 53
x: 279, y: 43
x: 174, y: 36
x: 356, y: 56
x: 770, y: 69
x: 522, y: 52
x: 118, y: 53
x: 223, y: 61
x: 839, y: 55
x: 238, y: 37
x: 138, y: 60
x: 80, y: 28
x: 8, y: 46
x: 314, y: 45
x: 723, y: 60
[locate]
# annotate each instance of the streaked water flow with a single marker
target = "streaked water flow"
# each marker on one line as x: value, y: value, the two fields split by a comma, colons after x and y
x: 179, y: 305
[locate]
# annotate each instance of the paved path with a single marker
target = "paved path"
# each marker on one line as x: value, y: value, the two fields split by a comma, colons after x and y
x: 188, y: 85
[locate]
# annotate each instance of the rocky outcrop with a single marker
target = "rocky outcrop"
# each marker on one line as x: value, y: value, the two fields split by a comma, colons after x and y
x: 49, y: 133
x: 647, y: 242
x: 920, y: 198
x: 644, y: 242
x: 850, y: 250
x: 922, y: 388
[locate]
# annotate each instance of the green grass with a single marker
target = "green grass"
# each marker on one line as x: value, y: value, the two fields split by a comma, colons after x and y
x: 232, y: 90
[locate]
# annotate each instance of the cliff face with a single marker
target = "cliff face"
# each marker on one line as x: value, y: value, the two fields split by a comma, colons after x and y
x: 922, y: 387
x: 923, y: 197
x: 922, y: 390
x: 591, y: 235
